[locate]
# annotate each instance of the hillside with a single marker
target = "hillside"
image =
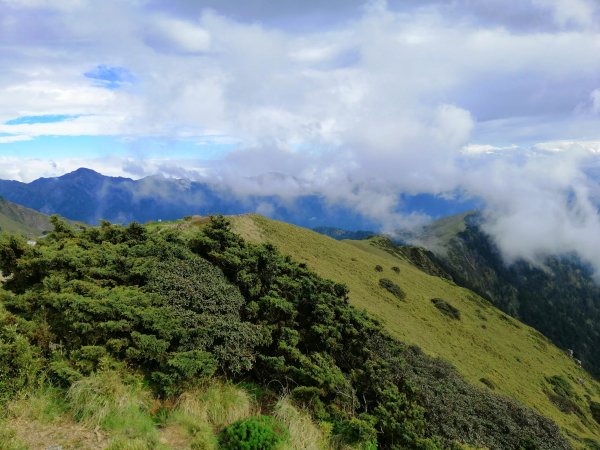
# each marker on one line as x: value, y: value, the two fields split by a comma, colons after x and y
x: 560, y: 299
x: 184, y: 335
x: 485, y: 345
x: 18, y: 219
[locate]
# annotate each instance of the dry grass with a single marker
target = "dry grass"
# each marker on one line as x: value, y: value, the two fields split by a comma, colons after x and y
x: 40, y: 419
x: 63, y: 432
x: 201, y: 413
x: 304, y: 433
x: 218, y: 404
x: 105, y: 401
x: 95, y: 398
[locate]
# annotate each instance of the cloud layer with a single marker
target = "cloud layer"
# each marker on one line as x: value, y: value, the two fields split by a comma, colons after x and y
x: 358, y: 101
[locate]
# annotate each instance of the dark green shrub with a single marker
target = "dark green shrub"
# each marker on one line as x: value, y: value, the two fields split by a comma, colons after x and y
x: 561, y: 386
x: 396, y: 269
x: 254, y: 433
x: 591, y: 444
x: 595, y: 408
x: 378, y: 268
x: 489, y: 383
x: 357, y: 431
x: 393, y: 288
x: 563, y: 396
x: 446, y: 308
x: 20, y: 361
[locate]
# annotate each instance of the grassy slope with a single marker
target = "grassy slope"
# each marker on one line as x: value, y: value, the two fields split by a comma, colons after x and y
x: 18, y: 219
x: 108, y: 414
x: 484, y: 343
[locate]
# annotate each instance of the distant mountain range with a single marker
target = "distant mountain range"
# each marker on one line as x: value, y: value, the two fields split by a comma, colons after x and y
x: 88, y: 196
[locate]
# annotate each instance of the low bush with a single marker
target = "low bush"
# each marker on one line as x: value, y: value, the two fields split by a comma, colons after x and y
x: 393, y: 288
x: 254, y: 433
x: 396, y: 269
x: 489, y: 383
x: 378, y: 268
x: 595, y: 409
x: 446, y: 308
x: 563, y: 395
x: 20, y: 361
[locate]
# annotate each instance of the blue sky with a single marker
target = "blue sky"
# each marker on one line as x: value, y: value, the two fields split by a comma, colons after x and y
x: 363, y: 102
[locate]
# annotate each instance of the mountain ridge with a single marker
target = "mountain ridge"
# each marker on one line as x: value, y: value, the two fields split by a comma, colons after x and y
x: 87, y: 196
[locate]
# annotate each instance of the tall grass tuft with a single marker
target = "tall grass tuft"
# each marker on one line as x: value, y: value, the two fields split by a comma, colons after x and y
x: 218, y: 404
x: 304, y: 434
x: 44, y: 404
x: 204, y: 411
x: 104, y: 400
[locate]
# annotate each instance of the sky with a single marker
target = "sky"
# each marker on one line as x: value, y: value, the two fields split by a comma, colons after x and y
x: 359, y: 101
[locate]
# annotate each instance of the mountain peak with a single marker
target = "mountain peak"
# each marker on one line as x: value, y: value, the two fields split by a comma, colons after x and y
x: 82, y: 171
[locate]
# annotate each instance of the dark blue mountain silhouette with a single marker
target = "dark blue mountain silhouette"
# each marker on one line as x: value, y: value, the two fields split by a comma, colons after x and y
x: 88, y: 196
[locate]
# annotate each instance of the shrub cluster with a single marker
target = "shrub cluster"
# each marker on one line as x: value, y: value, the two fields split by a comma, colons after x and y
x: 563, y: 395
x: 393, y: 288
x: 254, y: 433
x: 446, y: 308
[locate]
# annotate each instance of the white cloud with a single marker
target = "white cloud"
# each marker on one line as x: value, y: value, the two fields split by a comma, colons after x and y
x: 14, y: 138
x: 382, y: 102
x: 570, y: 12
x: 486, y: 149
x: 181, y: 35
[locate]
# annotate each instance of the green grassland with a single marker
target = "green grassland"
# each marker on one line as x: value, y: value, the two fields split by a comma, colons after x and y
x: 483, y: 344
x: 18, y: 219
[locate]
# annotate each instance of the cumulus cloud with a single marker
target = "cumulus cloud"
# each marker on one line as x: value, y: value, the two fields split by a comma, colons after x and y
x: 355, y: 101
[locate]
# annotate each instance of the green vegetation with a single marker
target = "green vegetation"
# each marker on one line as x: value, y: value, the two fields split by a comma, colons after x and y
x: 132, y: 323
x: 559, y: 299
x: 254, y: 433
x: 304, y: 434
x: 489, y: 383
x: 18, y: 219
x: 595, y: 409
x: 480, y: 345
x: 446, y: 308
x: 392, y: 288
x: 563, y: 395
